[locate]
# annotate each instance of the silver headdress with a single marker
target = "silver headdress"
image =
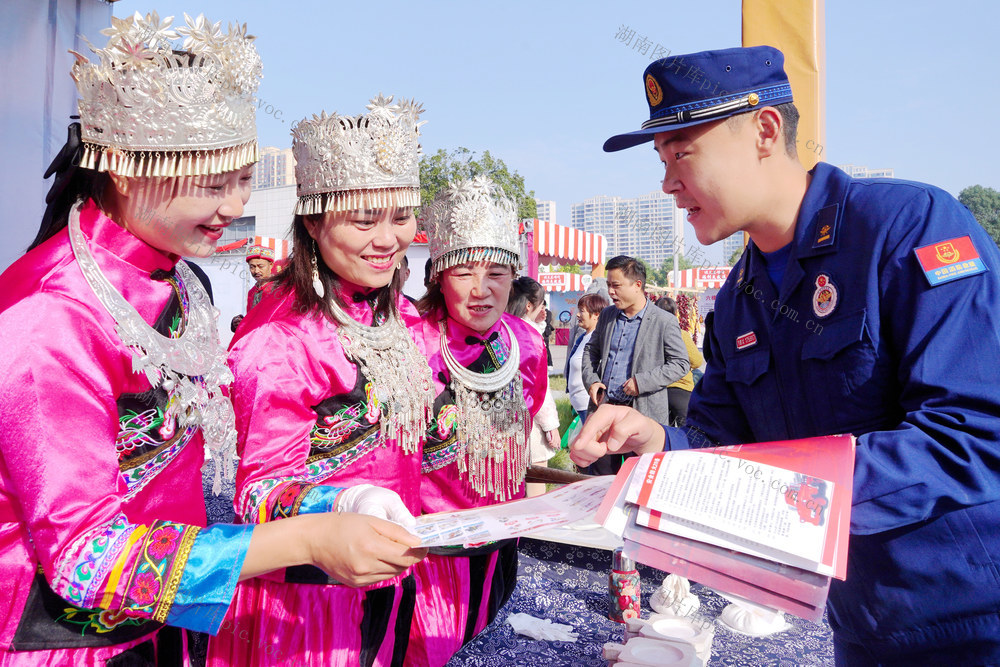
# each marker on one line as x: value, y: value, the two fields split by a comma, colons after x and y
x: 472, y: 221
x: 150, y: 109
x: 344, y: 163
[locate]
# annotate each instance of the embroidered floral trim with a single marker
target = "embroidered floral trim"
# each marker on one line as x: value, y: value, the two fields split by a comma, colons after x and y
x: 255, y: 493
x: 95, y: 558
x: 441, y: 446
x: 153, y: 583
x: 336, y: 429
x: 138, y: 477
x: 444, y: 425
x: 336, y: 442
x: 498, y: 354
x: 289, y: 500
x: 99, y: 620
x: 320, y: 466
x: 440, y: 457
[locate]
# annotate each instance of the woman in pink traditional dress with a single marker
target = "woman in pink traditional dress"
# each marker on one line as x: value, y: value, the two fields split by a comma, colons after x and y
x: 332, y: 394
x: 490, y: 377
x: 112, y: 375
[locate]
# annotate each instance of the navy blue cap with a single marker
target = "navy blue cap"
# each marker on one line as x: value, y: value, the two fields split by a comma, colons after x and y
x: 700, y: 87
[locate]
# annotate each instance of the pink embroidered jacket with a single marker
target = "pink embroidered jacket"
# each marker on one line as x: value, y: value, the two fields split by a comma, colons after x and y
x: 100, y: 494
x: 307, y: 419
x: 443, y: 487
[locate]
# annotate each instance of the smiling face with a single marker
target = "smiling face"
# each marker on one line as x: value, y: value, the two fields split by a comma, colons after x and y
x: 183, y: 216
x: 363, y: 247
x: 711, y: 171
x: 475, y: 293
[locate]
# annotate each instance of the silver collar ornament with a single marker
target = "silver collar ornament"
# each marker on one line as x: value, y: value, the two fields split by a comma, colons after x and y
x: 387, y: 356
x: 152, y: 108
x: 346, y: 163
x: 191, y: 368
x: 493, y: 422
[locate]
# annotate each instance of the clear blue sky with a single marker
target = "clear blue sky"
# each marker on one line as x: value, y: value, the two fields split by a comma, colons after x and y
x: 910, y: 84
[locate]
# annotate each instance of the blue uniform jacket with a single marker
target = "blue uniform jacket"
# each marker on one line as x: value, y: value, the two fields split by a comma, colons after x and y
x: 858, y: 341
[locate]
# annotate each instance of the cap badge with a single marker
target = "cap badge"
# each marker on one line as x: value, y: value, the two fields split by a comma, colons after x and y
x: 653, y: 91
x: 825, y: 297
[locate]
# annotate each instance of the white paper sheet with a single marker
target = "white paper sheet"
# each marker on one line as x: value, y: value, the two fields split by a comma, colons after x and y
x: 512, y: 519
x: 726, y: 497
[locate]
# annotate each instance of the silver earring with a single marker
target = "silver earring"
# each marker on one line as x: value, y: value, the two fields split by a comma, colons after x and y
x: 317, y: 283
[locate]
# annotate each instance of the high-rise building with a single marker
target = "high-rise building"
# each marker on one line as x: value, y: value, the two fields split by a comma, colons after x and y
x: 855, y: 171
x: 647, y: 226
x: 730, y: 245
x: 546, y: 210
x: 275, y: 169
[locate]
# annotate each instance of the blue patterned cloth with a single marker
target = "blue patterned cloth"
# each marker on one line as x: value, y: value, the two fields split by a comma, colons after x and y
x: 569, y: 584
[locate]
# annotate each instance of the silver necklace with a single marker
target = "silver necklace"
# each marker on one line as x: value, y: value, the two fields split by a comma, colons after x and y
x: 388, y: 358
x: 493, y: 421
x: 190, y: 368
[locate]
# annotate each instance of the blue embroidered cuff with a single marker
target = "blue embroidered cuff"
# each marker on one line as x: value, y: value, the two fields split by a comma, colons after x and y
x: 320, y: 499
x: 210, y: 576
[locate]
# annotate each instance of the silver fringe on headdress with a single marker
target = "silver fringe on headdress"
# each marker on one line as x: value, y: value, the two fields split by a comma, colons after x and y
x: 345, y: 163
x: 151, y: 108
x: 472, y: 221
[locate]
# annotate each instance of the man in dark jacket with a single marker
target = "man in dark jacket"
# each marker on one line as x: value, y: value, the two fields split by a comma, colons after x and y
x: 635, y: 352
x: 869, y: 307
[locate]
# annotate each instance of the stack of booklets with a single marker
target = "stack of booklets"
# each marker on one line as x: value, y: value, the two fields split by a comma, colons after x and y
x: 768, y: 522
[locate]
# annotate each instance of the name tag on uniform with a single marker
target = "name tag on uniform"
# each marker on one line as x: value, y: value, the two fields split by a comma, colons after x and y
x: 950, y: 260
x: 748, y: 339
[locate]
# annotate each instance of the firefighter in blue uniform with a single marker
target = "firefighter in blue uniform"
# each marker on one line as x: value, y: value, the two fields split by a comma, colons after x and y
x: 869, y: 307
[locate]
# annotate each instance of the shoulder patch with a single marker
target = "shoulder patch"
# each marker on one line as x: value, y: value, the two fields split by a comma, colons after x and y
x: 950, y: 260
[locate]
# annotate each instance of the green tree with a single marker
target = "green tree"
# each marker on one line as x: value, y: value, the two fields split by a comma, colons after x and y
x: 661, y: 277
x: 985, y: 205
x: 437, y: 170
x: 735, y: 257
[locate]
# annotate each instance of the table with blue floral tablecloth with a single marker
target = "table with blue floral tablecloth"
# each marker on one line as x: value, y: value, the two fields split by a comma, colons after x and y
x: 568, y: 584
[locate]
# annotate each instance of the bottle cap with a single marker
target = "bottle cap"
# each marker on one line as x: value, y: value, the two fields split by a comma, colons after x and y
x: 620, y: 562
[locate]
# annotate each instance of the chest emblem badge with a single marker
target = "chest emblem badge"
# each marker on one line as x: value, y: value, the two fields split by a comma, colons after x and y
x: 824, y: 299
x: 748, y: 339
x: 946, y: 252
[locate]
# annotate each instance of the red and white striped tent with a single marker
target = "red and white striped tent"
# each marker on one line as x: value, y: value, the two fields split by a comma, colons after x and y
x: 280, y: 246
x: 564, y: 282
x: 556, y: 244
x: 709, y: 277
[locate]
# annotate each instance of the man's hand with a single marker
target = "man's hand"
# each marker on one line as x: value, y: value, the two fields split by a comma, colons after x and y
x: 597, y: 391
x: 615, y: 429
x: 631, y: 387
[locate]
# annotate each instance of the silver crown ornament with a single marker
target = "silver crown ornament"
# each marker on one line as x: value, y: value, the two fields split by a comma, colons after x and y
x: 150, y: 107
x: 472, y: 221
x: 345, y: 163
